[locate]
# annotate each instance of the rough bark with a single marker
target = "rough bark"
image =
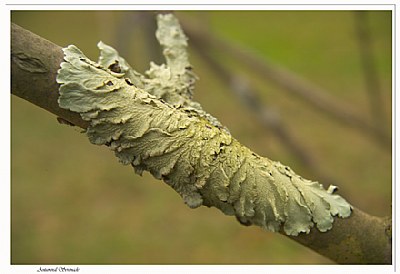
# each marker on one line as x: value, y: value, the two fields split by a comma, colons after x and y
x: 34, y: 65
x: 359, y: 239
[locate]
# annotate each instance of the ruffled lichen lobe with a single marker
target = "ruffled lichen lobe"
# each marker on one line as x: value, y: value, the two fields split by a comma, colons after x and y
x: 152, y: 124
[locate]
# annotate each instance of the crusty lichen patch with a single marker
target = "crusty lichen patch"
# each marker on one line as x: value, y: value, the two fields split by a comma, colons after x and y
x: 152, y: 124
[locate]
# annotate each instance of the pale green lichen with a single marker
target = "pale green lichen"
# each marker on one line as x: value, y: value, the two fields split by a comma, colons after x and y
x: 176, y: 141
x: 174, y: 44
x: 109, y: 58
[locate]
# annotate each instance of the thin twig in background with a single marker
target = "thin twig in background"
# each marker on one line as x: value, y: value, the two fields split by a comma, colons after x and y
x: 372, y: 83
x: 289, y: 81
x: 269, y: 118
x: 143, y: 26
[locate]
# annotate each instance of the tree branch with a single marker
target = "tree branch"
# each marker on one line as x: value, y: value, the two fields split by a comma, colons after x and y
x: 359, y: 239
x: 34, y: 65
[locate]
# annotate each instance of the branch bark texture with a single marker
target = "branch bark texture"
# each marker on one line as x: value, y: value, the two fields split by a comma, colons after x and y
x: 34, y: 65
x: 36, y: 60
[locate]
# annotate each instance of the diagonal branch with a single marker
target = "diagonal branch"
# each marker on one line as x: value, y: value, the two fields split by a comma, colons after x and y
x: 292, y: 83
x: 184, y: 147
x: 372, y: 82
x: 361, y: 238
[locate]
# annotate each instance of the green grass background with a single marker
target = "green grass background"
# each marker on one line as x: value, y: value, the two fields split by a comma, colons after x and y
x: 73, y: 203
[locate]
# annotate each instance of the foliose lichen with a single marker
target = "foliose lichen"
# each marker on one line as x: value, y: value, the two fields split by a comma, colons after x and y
x: 152, y: 124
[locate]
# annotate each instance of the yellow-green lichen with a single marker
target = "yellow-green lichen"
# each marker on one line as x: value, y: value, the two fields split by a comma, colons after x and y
x: 170, y: 136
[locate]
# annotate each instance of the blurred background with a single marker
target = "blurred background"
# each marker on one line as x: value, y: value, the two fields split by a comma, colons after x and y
x: 311, y: 89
